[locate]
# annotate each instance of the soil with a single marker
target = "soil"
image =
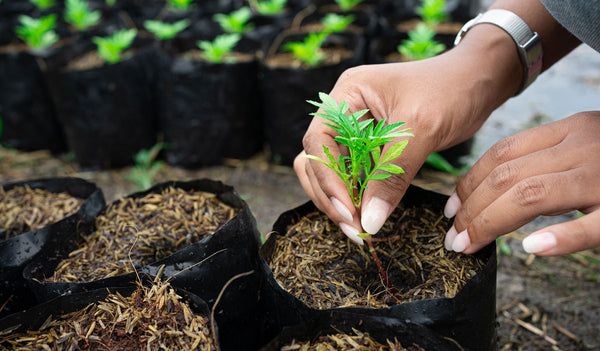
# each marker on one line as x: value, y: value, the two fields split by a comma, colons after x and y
x: 287, y: 60
x: 542, y: 303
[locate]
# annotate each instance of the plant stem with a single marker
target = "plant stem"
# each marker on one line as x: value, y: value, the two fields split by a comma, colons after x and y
x: 382, y: 271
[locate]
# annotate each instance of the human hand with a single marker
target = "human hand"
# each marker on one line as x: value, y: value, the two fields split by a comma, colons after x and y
x: 546, y: 170
x: 444, y: 100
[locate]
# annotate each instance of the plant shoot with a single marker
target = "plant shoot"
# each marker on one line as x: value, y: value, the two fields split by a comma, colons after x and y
x: 269, y: 7
x: 180, y: 5
x: 334, y: 23
x: 146, y: 166
x: 110, y: 48
x: 420, y: 44
x: 218, y: 50
x: 236, y: 21
x: 79, y: 15
x: 347, y: 5
x: 308, y: 51
x: 38, y: 34
x: 43, y: 4
x: 432, y: 11
x: 166, y: 31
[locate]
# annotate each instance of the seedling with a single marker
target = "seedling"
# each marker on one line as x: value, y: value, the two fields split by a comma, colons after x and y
x: 235, y: 22
x: 365, y: 161
x: 438, y: 162
x: 269, y: 7
x: 347, y: 5
x: 39, y: 33
x: 180, y: 5
x: 146, y: 166
x: 43, y: 4
x: 165, y: 31
x: 420, y: 43
x: 432, y: 11
x: 334, y: 23
x: 308, y: 51
x: 218, y: 50
x: 111, y: 2
x: 78, y: 14
x: 110, y: 48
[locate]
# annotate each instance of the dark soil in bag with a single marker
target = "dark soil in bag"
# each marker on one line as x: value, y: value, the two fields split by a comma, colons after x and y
x: 107, y: 111
x: 452, y: 294
x: 287, y: 84
x: 40, y: 238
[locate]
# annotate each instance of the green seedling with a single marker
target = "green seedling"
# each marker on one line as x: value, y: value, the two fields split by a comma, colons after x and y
x: 347, y: 5
x: 235, y: 22
x: 420, y: 43
x: 79, y: 15
x: 43, y: 4
x: 365, y: 161
x: 180, y: 5
x: 334, y: 23
x: 110, y: 48
x: 438, y: 162
x: 269, y: 7
x: 165, y: 31
x: 308, y: 51
x: 146, y: 166
x: 218, y: 50
x: 432, y: 11
x: 39, y: 33
x: 503, y: 247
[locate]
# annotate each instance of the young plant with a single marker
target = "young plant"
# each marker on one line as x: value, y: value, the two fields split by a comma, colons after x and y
x: 365, y: 162
x: 110, y: 48
x: 347, y: 5
x: 217, y: 50
x: 432, y: 11
x: 43, y: 4
x: 420, y: 43
x: 79, y: 15
x: 308, y: 51
x: 235, y: 22
x: 334, y: 23
x: 165, y: 31
x: 269, y: 7
x: 146, y: 166
x: 39, y: 33
x: 180, y: 5
x: 111, y: 3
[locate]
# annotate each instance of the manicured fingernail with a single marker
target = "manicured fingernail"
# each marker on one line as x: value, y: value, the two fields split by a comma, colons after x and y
x: 374, y: 215
x: 450, y: 235
x: 541, y: 242
x: 461, y: 242
x: 351, y: 233
x: 341, y: 209
x: 452, y: 206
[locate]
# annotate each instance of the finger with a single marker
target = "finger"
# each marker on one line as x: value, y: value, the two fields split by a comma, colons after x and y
x: 545, y: 194
x: 565, y: 238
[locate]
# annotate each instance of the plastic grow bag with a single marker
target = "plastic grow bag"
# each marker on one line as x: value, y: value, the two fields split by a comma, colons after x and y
x: 472, y: 309
x: 18, y: 251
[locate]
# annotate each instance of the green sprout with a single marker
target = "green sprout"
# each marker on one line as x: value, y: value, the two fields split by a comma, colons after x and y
x: 438, y: 162
x: 217, y: 50
x: 146, y: 166
x: 43, y: 4
x: 269, y: 7
x: 39, y: 33
x: 308, y: 51
x: 110, y: 48
x: 180, y: 5
x: 432, y: 11
x: 347, y: 5
x: 334, y: 23
x: 165, y: 31
x: 420, y: 43
x: 235, y: 22
x: 79, y: 15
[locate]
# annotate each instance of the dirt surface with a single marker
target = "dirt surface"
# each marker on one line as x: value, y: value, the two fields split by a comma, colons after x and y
x: 543, y: 303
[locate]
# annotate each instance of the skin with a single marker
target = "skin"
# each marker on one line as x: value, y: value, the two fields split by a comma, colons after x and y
x: 546, y: 170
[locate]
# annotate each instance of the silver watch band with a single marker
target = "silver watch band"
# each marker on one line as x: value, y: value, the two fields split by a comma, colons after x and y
x: 529, y: 45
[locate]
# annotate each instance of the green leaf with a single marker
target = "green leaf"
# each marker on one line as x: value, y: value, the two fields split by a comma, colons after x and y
x: 380, y: 176
x: 165, y: 31
x: 110, y: 48
x: 217, y: 50
x: 394, y: 151
x: 390, y: 168
x: 437, y: 161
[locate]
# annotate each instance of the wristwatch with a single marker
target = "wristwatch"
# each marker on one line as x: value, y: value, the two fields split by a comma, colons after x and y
x: 529, y: 45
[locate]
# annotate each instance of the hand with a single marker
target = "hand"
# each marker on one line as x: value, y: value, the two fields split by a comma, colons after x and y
x: 546, y: 170
x: 444, y: 100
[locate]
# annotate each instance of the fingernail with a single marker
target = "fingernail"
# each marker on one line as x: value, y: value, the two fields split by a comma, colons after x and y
x: 341, y: 209
x: 541, y: 242
x: 450, y: 235
x: 374, y: 215
x: 351, y: 233
x: 452, y: 206
x: 461, y: 242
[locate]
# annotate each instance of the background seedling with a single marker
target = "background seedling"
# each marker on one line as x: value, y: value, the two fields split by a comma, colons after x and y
x: 347, y: 5
x: 43, y: 4
x: 334, y: 23
x: 217, y: 50
x: 268, y: 7
x: 180, y: 5
x: 420, y: 43
x: 39, y: 33
x: 432, y: 11
x: 309, y: 50
x: 236, y: 21
x: 110, y: 48
x: 79, y: 15
x: 146, y: 166
x: 165, y: 31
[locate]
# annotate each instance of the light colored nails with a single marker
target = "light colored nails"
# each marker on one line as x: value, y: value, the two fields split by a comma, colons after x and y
x: 374, y: 215
x: 461, y: 242
x: 351, y: 233
x: 341, y: 209
x: 450, y: 236
x: 540, y: 242
x: 452, y: 206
